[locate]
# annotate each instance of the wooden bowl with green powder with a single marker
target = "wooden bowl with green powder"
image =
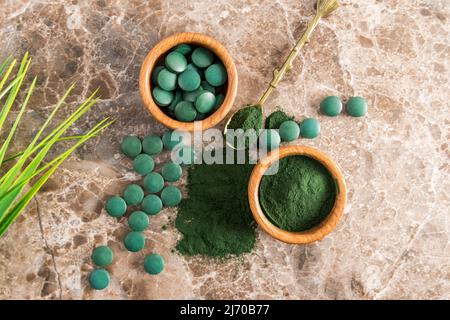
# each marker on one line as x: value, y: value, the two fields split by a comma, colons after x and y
x: 303, y: 201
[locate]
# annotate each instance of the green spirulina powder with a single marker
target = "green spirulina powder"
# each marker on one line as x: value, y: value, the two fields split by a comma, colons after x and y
x: 250, y: 117
x: 215, y: 218
x: 299, y: 196
x: 276, y: 118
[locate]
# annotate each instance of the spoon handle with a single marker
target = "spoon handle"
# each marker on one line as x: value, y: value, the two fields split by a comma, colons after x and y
x: 324, y: 7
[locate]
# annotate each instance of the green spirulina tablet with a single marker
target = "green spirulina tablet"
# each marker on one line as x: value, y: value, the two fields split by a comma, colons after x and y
x: 171, y: 196
x: 176, y: 62
x: 153, y: 264
x: 192, y: 95
x: 152, y: 145
x: 206, y: 86
x: 171, y: 171
x: 134, y: 241
x: 133, y: 194
x: 138, y: 221
x: 167, y: 80
x: 310, y: 128
x: 205, y: 102
x: 99, y: 279
x: 102, y: 256
x: 183, y: 48
x: 219, y: 100
x: 153, y: 182
x: 131, y: 146
x: 331, y: 106
x: 193, y: 67
x: 171, y: 139
x: 185, y: 111
x: 269, y: 139
x: 143, y: 164
x: 189, y: 80
x: 289, y: 130
x: 162, y: 97
x: 202, y: 57
x: 155, y: 73
x: 216, y: 74
x: 356, y: 106
x: 116, y: 206
x: 177, y: 98
x: 152, y: 204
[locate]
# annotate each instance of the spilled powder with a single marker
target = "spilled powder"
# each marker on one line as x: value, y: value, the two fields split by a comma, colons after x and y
x: 275, y: 119
x: 215, y: 219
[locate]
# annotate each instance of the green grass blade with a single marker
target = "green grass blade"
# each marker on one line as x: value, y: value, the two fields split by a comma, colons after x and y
x: 8, y: 72
x: 92, y: 133
x: 7, y: 180
x: 31, y: 149
x: 13, y: 192
x: 20, y: 206
x: 18, y: 154
x: 9, y: 218
x: 14, y: 91
x: 7, y: 197
x: 5, y: 64
x: 52, y: 114
x: 10, y: 85
x: 5, y: 145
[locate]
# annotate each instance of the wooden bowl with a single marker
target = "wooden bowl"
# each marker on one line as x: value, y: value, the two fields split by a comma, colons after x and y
x: 316, y: 233
x: 145, y: 85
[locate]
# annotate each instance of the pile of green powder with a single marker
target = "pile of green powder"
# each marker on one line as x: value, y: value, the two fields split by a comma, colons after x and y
x: 275, y: 119
x: 250, y: 117
x: 299, y: 196
x: 215, y: 218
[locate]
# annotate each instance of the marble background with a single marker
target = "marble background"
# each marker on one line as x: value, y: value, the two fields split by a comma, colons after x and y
x: 393, y: 242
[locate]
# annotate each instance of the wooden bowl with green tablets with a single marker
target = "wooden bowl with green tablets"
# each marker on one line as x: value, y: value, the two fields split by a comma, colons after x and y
x: 188, y: 81
x: 302, y: 200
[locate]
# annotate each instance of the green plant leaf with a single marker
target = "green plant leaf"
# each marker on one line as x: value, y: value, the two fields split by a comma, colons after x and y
x: 45, y: 144
x: 9, y: 197
x: 92, y: 133
x: 8, y: 72
x: 14, y: 90
x: 18, y: 154
x: 5, y: 64
x: 36, y: 161
x: 31, y: 163
x: 5, y: 145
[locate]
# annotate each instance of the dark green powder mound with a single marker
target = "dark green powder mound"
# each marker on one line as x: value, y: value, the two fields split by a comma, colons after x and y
x: 299, y: 196
x: 250, y: 117
x: 215, y: 218
x: 275, y: 120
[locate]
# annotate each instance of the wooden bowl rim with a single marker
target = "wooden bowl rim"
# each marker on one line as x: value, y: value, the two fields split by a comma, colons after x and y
x: 145, y: 85
x: 303, y: 237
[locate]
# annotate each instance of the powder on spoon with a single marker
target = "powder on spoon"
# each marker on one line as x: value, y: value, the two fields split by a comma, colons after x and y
x: 215, y: 217
x: 250, y: 117
x: 299, y: 196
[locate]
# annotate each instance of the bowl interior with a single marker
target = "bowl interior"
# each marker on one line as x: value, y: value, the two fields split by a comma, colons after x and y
x: 160, y: 62
x: 298, y: 237
x: 157, y: 54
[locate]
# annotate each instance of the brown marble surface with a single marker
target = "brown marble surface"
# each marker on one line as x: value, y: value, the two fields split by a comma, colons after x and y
x: 393, y: 241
